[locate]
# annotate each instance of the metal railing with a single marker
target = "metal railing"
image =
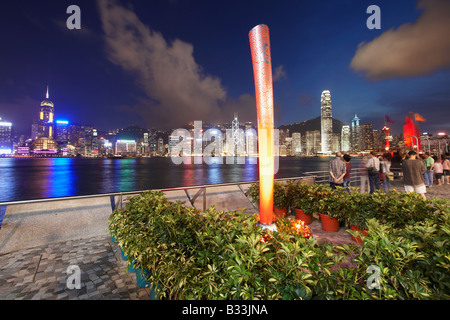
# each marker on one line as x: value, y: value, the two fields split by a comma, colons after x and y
x: 322, y: 177
x: 121, y: 195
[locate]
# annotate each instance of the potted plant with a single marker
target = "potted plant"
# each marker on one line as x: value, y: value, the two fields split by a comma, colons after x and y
x: 280, y: 200
x: 330, y: 204
x: 359, y: 210
x: 253, y: 193
x: 300, y: 202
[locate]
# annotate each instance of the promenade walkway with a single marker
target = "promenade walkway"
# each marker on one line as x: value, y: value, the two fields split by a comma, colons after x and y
x: 39, y: 272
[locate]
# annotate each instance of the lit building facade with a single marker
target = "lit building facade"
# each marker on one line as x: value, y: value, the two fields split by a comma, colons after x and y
x: 6, y: 143
x: 45, y: 122
x: 296, y: 143
x: 366, y: 137
x: 312, y: 142
x: 62, y: 131
x: 126, y: 147
x: 355, y: 134
x: 45, y: 146
x: 326, y: 122
x: 345, y: 138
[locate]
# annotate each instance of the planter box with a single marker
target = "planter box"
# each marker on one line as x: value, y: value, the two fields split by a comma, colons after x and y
x: 279, y: 212
x: 141, y: 276
x: 131, y: 268
x: 301, y: 215
x: 124, y: 257
x: 329, y: 224
x: 142, y: 282
x: 358, y: 238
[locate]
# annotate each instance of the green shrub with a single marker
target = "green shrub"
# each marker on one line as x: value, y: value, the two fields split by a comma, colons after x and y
x: 227, y: 255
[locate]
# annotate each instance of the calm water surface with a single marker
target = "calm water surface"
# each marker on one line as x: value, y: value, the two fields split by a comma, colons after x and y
x: 35, y: 178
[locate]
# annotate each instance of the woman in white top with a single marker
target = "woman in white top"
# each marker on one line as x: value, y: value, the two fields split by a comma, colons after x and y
x: 438, y: 170
x: 446, y: 167
x: 385, y: 166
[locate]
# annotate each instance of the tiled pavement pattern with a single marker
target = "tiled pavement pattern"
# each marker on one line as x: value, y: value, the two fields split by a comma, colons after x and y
x: 40, y: 273
x: 441, y: 192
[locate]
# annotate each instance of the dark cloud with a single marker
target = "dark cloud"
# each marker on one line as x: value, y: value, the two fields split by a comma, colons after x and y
x: 306, y: 100
x: 176, y: 88
x: 279, y: 74
x: 414, y: 49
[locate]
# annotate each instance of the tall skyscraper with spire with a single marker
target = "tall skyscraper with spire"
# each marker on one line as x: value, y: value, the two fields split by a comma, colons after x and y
x: 326, y: 122
x: 355, y: 134
x: 45, y: 123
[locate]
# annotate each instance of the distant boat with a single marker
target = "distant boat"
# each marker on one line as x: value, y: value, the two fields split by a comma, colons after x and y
x: 116, y: 156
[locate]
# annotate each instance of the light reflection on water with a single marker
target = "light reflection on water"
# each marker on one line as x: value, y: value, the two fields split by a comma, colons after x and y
x: 37, y: 178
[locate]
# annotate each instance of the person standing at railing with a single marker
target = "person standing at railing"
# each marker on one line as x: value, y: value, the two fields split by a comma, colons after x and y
x: 373, y: 168
x: 429, y: 165
x: 337, y: 171
x: 363, y: 176
x: 413, y: 174
x: 446, y: 168
x: 385, y: 165
x: 438, y: 170
x: 348, y: 169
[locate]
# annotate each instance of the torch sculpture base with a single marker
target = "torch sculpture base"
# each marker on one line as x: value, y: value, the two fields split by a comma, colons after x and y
x: 271, y: 226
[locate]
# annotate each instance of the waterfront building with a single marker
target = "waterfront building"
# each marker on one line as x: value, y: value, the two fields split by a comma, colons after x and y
x: 45, y: 123
x: 335, y: 142
x: 161, y: 149
x: 126, y: 147
x: 366, y: 137
x: 355, y: 134
x: 6, y: 143
x: 313, y: 142
x: 44, y: 146
x: 326, y: 122
x: 62, y: 131
x: 345, y: 138
x: 296, y: 143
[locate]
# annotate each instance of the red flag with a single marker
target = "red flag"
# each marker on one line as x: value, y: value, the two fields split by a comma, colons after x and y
x: 418, y: 117
x: 387, y: 119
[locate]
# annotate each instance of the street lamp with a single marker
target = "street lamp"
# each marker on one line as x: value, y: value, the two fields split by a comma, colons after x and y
x: 442, y: 136
x: 417, y: 141
x: 426, y: 134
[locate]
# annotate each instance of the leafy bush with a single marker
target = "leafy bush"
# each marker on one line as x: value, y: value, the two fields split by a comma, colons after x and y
x: 227, y: 255
x: 280, y: 196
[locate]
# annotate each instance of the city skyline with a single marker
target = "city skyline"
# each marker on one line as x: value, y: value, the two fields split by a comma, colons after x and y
x: 110, y: 78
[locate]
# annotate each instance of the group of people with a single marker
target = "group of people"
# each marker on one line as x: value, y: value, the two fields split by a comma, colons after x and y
x: 371, y: 170
x: 418, y: 172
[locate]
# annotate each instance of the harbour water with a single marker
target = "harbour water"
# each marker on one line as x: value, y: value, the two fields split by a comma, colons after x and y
x: 38, y: 178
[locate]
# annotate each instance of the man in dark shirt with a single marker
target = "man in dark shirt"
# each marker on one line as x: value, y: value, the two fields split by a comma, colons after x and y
x: 413, y: 174
x: 337, y: 171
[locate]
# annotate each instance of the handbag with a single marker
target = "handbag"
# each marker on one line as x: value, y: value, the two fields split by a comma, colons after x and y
x: 373, y: 172
x: 390, y: 176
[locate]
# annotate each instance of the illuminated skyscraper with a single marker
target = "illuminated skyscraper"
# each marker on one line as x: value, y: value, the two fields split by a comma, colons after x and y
x: 45, y: 123
x: 345, y: 138
x: 312, y: 142
x: 6, y: 145
x: 326, y: 122
x: 62, y: 131
x: 355, y: 136
x: 296, y: 143
x: 366, y: 137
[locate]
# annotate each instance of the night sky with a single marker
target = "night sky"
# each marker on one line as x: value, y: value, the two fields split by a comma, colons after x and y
x: 161, y: 64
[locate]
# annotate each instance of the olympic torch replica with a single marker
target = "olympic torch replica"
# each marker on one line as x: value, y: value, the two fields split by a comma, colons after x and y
x: 262, y: 69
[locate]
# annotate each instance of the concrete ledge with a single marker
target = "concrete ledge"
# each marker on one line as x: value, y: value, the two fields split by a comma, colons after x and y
x: 36, y: 224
